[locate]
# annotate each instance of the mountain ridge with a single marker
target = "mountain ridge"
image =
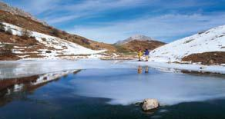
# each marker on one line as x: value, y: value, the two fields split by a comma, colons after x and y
x: 139, y: 42
x: 135, y: 37
x: 27, y: 21
x: 17, y: 11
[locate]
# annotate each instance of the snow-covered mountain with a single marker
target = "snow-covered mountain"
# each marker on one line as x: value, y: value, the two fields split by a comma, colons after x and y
x: 135, y: 37
x: 48, y: 46
x: 212, y: 40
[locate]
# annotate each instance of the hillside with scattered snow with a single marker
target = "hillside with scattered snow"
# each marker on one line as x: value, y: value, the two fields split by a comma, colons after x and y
x: 53, y: 47
x: 212, y: 40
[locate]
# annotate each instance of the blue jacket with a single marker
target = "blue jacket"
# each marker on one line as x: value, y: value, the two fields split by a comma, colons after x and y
x: 146, y: 52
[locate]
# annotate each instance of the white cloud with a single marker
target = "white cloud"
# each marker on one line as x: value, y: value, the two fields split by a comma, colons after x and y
x: 75, y: 10
x: 86, y: 8
x: 54, y: 20
x: 98, y: 5
x: 37, y: 7
x: 164, y: 28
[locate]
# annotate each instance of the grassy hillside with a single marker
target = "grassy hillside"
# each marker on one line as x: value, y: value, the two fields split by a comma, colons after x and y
x: 28, y: 23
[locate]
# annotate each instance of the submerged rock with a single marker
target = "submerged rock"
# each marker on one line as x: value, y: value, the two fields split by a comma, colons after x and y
x: 150, y: 104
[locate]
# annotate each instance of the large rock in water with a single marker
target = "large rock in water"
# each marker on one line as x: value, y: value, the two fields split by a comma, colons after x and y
x: 150, y: 104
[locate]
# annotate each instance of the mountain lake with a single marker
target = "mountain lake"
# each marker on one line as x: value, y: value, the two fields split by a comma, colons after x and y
x: 94, y: 89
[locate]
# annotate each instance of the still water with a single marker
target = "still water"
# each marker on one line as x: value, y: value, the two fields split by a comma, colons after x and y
x: 110, y: 92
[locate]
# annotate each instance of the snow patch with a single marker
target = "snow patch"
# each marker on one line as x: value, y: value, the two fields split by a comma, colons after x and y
x: 209, y: 41
x: 62, y: 46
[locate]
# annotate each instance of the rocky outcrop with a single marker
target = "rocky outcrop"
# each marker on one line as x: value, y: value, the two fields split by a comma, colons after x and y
x: 16, y: 11
x: 150, y: 104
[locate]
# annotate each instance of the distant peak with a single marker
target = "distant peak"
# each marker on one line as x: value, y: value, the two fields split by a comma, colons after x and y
x: 140, y: 37
x: 135, y: 37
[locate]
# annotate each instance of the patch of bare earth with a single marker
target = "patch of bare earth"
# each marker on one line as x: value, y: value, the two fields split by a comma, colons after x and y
x: 8, y: 38
x: 208, y: 58
x: 27, y: 46
x: 9, y: 57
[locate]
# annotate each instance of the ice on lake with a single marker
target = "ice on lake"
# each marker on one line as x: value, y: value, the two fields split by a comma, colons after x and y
x: 121, y: 83
x: 127, y: 86
x: 15, y: 69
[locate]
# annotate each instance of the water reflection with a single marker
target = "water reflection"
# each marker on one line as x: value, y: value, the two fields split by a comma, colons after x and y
x: 84, y: 95
x: 15, y: 69
x: 168, y: 88
x: 19, y: 86
x: 139, y: 70
x: 146, y: 68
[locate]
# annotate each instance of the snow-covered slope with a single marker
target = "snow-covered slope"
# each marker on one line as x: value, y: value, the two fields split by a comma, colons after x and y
x: 135, y: 37
x: 212, y: 40
x: 58, y: 46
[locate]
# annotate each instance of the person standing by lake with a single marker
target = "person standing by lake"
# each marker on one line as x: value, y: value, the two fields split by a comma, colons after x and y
x: 146, y: 54
x: 139, y: 55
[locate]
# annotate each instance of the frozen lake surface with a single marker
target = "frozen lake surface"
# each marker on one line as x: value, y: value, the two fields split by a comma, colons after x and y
x: 108, y: 87
x: 14, y: 69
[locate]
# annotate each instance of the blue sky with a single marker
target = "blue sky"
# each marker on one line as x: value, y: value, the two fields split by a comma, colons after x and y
x: 113, y: 20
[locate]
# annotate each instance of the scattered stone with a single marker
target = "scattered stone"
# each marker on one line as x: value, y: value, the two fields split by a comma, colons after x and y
x: 150, y: 104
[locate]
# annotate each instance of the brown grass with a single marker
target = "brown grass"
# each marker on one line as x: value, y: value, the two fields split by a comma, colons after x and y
x: 32, y: 25
x: 207, y: 58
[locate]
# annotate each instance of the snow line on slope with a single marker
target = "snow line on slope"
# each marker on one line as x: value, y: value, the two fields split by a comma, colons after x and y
x: 51, y: 41
x: 208, y: 41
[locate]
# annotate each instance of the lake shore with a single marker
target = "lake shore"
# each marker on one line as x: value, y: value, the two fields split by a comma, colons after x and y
x: 174, y: 67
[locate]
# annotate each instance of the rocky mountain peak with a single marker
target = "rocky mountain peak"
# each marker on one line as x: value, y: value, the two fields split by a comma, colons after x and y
x: 140, y: 37
x: 135, y: 37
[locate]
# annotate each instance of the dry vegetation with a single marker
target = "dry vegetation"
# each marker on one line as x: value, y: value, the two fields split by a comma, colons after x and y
x: 10, y: 41
x: 26, y: 34
x: 135, y: 45
x: 32, y: 45
x: 208, y: 58
x: 29, y: 24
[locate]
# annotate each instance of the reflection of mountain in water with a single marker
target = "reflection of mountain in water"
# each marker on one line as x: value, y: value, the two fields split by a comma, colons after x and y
x: 11, y: 89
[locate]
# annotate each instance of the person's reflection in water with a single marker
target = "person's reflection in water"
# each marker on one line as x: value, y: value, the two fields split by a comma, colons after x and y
x: 146, y: 69
x: 139, y: 69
